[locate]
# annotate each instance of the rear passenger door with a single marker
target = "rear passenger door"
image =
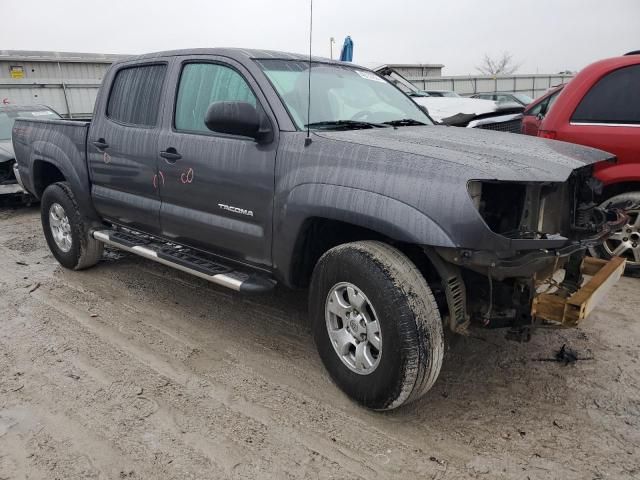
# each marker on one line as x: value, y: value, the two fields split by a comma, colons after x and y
x: 122, y: 148
x: 218, y: 188
x: 608, y: 117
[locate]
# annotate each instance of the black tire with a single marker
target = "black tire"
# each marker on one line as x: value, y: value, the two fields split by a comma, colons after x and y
x: 633, y: 267
x: 412, y: 340
x: 84, y: 251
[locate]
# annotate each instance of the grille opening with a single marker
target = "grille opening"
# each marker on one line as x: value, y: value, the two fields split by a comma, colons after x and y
x: 511, y: 126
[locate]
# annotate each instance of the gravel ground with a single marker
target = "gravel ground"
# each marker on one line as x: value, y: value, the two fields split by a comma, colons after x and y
x: 133, y: 370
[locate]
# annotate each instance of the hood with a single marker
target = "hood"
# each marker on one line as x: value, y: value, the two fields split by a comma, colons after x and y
x: 441, y: 108
x: 472, y: 154
x: 6, y: 151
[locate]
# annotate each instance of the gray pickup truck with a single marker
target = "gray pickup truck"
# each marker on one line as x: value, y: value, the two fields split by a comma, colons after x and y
x: 211, y: 161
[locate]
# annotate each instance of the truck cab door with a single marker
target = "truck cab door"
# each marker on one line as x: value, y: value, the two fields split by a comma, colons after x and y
x: 123, y: 143
x: 217, y: 193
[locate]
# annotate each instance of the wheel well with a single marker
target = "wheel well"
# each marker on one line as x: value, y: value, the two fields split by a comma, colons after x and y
x: 44, y: 174
x: 318, y: 235
x: 618, y: 188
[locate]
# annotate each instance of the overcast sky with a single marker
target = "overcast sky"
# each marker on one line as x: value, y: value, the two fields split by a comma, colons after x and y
x: 543, y: 35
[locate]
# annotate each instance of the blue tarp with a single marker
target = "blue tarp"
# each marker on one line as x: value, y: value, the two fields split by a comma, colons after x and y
x: 346, y: 55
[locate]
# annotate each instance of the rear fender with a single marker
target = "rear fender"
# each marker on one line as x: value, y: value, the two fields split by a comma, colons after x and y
x: 72, y: 166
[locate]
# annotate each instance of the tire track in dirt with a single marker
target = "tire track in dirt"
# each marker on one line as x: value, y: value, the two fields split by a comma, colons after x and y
x: 217, y: 392
x: 246, y: 382
x: 164, y: 407
x: 240, y: 393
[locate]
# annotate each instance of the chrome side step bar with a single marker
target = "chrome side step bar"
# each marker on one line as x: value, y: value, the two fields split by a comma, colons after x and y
x: 158, y: 252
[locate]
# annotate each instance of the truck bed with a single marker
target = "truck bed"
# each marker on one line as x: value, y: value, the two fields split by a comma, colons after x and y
x: 59, y: 146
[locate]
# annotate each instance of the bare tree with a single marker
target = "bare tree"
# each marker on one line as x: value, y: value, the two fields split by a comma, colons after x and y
x: 503, y: 65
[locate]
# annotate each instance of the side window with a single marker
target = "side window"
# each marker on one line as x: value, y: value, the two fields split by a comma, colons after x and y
x: 135, y: 95
x: 202, y: 84
x: 544, y: 106
x: 552, y: 100
x: 539, y: 107
x: 615, y: 98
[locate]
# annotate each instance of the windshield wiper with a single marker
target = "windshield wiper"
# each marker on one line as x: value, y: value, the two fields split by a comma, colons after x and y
x: 404, y: 122
x: 346, y: 124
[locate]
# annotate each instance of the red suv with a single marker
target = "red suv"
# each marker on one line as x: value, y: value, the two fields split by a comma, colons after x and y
x: 600, y: 108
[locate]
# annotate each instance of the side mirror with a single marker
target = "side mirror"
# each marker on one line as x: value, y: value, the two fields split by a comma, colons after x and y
x: 235, y: 118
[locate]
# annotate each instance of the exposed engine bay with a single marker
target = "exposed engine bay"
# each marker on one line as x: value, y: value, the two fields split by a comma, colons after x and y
x: 550, y: 243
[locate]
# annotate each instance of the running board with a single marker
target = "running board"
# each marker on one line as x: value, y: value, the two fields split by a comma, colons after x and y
x: 185, y: 259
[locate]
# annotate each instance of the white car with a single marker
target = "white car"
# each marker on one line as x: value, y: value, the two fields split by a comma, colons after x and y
x: 459, y: 111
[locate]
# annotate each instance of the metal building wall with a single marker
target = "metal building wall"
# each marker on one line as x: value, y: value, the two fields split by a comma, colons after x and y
x: 67, y: 82
x: 418, y: 71
x: 532, y: 85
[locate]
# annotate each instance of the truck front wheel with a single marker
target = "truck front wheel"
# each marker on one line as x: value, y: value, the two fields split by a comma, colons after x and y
x: 66, y: 233
x: 376, y: 324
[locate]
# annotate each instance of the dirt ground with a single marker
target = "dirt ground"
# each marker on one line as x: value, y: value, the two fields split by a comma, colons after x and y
x: 133, y: 370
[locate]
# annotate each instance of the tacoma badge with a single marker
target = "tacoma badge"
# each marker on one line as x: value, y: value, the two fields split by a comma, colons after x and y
x: 242, y: 211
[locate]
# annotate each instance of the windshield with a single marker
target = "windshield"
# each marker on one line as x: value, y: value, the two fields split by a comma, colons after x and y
x: 7, y: 119
x: 526, y: 99
x: 341, y: 94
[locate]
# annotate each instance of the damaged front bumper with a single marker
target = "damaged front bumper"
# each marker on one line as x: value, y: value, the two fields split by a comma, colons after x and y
x: 555, y: 309
x: 526, y: 288
x: 529, y: 257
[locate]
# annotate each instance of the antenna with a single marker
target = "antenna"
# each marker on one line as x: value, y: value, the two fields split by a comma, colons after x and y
x: 307, y: 141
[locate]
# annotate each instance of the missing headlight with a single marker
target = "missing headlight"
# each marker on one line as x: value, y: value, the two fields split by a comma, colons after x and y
x: 501, y: 204
x: 521, y: 210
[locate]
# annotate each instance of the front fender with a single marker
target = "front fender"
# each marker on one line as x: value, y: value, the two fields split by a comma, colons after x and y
x: 385, y: 215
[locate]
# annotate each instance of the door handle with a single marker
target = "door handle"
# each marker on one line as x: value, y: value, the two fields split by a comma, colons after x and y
x: 100, y: 144
x: 170, y: 155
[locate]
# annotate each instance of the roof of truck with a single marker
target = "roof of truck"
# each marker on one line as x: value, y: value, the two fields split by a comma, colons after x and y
x: 234, y: 53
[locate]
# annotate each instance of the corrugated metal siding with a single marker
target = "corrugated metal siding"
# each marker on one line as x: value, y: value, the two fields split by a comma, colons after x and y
x: 418, y: 72
x: 45, y: 76
x: 39, y: 71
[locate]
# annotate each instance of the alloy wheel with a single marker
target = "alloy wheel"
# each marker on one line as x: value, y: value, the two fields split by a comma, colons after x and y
x: 60, y: 227
x: 353, y: 327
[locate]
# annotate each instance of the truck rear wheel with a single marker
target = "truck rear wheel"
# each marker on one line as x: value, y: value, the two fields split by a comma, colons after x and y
x: 376, y: 324
x: 66, y: 233
x: 626, y: 241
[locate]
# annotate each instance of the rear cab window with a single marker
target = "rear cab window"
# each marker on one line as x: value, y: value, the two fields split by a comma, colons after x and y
x: 136, y: 94
x: 614, y: 99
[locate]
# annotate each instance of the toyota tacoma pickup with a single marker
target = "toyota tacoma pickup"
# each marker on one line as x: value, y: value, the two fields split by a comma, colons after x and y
x: 221, y: 163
